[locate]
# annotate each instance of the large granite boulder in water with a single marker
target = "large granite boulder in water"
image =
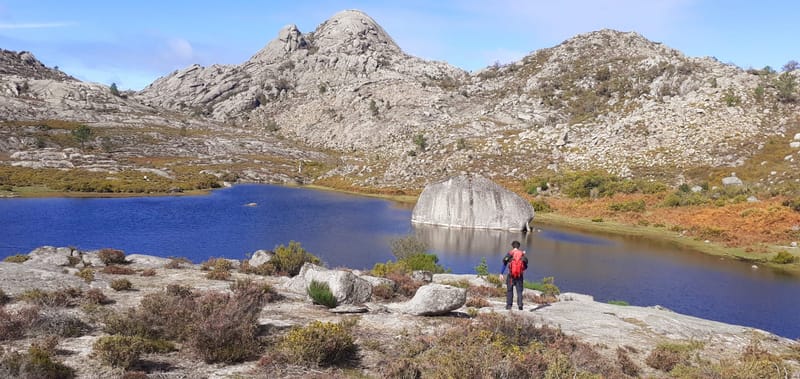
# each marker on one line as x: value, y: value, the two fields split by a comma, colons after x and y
x: 472, y: 201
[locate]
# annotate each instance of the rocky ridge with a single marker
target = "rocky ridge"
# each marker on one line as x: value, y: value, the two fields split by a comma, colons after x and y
x: 606, y: 99
x: 607, y: 326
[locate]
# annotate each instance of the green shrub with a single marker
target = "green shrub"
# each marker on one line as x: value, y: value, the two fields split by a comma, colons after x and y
x: 35, y: 363
x: 482, y: 269
x: 792, y: 203
x: 319, y: 344
x: 424, y: 262
x: 618, y: 302
x: 547, y: 286
x: 783, y: 257
x: 597, y: 219
x: 290, y: 259
x: 541, y: 206
x: 121, y: 285
x: 124, y: 351
x: 16, y: 258
x: 628, y: 206
x: 421, y: 142
x: 111, y: 256
x: 682, y: 199
x: 320, y: 293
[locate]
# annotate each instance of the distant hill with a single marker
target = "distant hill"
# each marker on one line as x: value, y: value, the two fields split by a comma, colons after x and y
x: 606, y: 99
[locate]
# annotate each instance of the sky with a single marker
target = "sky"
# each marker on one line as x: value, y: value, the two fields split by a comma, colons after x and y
x: 132, y: 43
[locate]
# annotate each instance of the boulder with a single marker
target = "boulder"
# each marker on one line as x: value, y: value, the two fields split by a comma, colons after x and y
x: 433, y: 300
x: 732, y: 181
x: 472, y: 201
x: 260, y: 257
x: 50, y: 256
x: 346, y: 287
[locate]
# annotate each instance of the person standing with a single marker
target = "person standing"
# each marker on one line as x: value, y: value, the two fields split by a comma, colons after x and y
x: 517, y: 263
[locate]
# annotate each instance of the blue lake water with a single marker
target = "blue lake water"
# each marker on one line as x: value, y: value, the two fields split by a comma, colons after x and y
x: 353, y: 231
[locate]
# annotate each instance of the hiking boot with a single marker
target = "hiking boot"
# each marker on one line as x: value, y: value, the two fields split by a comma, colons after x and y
x: 508, y: 307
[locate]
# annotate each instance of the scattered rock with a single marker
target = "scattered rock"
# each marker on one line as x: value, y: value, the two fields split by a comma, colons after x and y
x: 433, y: 300
x: 260, y: 257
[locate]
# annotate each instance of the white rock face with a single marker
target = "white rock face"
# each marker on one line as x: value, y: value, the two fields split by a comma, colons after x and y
x: 345, y: 286
x: 472, y: 202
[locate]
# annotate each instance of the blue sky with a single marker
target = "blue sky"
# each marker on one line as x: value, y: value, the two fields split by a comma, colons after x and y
x: 133, y: 43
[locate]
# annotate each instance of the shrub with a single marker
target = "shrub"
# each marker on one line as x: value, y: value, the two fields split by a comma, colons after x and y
x: 224, y: 328
x: 482, y: 269
x: 407, y: 246
x: 220, y: 268
x: 625, y: 363
x: 124, y: 351
x: 547, y: 287
x: 177, y: 262
x: 421, y: 142
x: 16, y: 258
x: 628, y: 206
x: 4, y: 299
x: 383, y: 291
x: 318, y: 344
x: 424, y: 262
x: 783, y: 257
x: 320, y: 293
x: 148, y: 272
x: 681, y: 199
x: 618, y: 302
x: 58, y: 323
x: 67, y: 297
x: 117, y: 270
x: 794, y: 204
x: 290, y: 259
x: 95, y: 296
x: 14, y: 325
x: 111, y: 256
x: 477, y: 302
x: 665, y: 356
x: 539, y: 205
x: 86, y: 274
x: 35, y: 363
x: 121, y: 285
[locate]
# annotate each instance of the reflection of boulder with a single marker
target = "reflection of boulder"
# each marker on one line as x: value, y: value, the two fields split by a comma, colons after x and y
x: 472, y: 201
x: 460, y: 241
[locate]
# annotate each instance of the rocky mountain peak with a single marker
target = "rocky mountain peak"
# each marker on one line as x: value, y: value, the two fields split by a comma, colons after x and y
x: 24, y: 64
x: 290, y: 39
x: 352, y: 31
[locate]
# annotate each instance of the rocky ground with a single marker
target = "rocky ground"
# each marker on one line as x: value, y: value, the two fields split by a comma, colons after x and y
x: 382, y: 325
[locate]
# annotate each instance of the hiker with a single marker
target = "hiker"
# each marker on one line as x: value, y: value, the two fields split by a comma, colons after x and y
x: 517, y: 263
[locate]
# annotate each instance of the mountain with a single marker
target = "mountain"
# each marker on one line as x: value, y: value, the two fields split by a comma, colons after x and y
x: 605, y: 99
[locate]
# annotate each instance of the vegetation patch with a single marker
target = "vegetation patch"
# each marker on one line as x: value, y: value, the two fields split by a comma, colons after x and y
x: 111, y: 256
x: 121, y: 285
x: 318, y: 344
x: 34, y: 363
x: 16, y: 258
x: 320, y: 293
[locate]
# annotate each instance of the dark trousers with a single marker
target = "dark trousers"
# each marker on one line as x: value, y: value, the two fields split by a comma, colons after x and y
x: 512, y: 283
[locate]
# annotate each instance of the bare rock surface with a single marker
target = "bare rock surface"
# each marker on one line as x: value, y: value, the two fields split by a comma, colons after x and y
x: 472, y: 201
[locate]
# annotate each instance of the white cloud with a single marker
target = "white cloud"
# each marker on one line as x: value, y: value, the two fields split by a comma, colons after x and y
x: 36, y: 25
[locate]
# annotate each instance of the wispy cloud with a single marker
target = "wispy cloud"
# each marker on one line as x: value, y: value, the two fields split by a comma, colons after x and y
x: 36, y: 25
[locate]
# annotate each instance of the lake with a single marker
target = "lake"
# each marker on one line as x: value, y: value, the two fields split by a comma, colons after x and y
x: 353, y: 231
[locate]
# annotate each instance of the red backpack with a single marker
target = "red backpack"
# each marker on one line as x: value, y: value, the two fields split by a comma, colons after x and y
x: 516, y: 266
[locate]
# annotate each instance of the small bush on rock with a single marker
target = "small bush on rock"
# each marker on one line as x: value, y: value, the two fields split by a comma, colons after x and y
x: 783, y: 257
x: 111, y: 256
x: 320, y: 293
x: 290, y: 259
